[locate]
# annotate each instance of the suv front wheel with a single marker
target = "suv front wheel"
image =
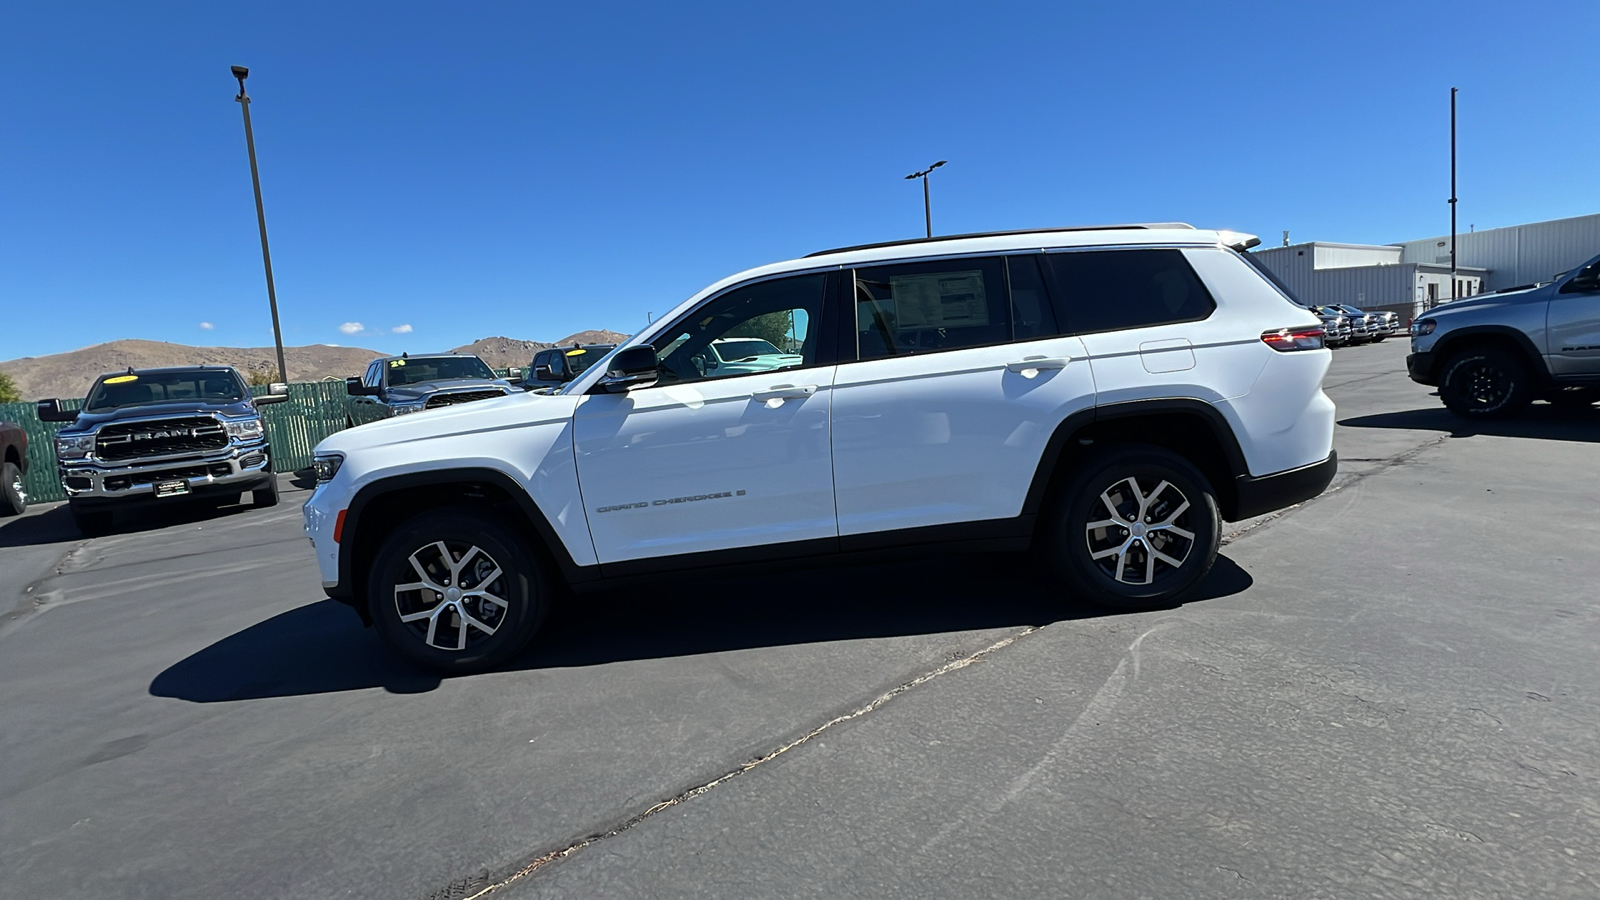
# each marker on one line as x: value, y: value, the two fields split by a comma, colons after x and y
x: 456, y: 591
x: 1485, y: 383
x: 1136, y: 529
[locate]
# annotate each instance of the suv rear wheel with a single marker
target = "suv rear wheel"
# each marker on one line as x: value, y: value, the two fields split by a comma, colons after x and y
x: 1485, y: 383
x: 456, y: 591
x: 1136, y: 529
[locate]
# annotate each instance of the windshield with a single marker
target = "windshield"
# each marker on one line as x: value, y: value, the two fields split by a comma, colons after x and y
x: 418, y: 369
x: 734, y: 349
x: 584, y: 357
x: 140, y: 388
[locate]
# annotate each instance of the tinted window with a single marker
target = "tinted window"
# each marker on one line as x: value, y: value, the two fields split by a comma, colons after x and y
x: 1109, y: 290
x: 164, y: 387
x: 419, y: 369
x: 922, y: 307
x: 773, y: 324
x: 1031, y: 314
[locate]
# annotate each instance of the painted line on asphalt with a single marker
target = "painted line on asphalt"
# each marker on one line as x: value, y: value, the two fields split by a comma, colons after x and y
x: 554, y: 855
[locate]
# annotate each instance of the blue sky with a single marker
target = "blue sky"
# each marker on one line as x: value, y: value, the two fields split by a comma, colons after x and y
x: 475, y: 169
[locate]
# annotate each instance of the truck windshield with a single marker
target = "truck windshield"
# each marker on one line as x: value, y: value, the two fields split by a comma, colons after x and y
x: 141, y: 388
x: 417, y: 369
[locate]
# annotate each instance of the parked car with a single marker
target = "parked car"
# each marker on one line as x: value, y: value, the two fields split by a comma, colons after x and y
x: 150, y: 435
x: 1363, y: 327
x: 1335, y: 328
x: 1491, y: 355
x: 404, y: 384
x: 1103, y: 403
x: 13, y: 469
x: 1380, y: 325
x: 558, y: 365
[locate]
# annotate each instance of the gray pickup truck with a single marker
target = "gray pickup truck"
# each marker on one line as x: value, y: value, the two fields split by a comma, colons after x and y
x: 398, y: 385
x: 150, y: 435
x: 1492, y: 354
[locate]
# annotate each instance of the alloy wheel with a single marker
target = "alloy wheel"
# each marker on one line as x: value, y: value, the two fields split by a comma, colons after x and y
x: 458, y: 598
x: 1142, y: 531
x: 1487, y: 385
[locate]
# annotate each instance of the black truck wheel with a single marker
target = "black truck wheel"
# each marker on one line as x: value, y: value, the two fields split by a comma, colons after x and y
x: 267, y: 494
x: 1485, y: 383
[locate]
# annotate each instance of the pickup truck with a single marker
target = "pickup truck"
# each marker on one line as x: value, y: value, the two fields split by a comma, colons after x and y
x: 150, y: 435
x: 405, y: 384
x: 13, y: 468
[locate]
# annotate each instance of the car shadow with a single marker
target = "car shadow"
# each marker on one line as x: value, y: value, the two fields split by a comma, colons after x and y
x: 55, y: 525
x: 323, y: 648
x: 39, y: 527
x: 1540, y: 421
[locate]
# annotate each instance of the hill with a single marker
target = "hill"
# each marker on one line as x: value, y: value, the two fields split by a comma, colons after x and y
x: 70, y: 374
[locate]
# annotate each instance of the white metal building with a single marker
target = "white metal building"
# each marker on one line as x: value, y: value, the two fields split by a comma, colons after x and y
x: 1416, y: 274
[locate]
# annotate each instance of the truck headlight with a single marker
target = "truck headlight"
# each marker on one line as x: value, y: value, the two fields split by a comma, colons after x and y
x: 1422, y: 327
x: 244, y: 429
x: 74, y: 447
x: 327, y: 466
x: 401, y: 409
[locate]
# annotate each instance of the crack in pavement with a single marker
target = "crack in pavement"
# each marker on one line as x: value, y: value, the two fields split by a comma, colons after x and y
x: 488, y: 885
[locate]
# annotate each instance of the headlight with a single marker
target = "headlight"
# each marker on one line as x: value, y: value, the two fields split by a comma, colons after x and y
x: 244, y: 429
x: 1422, y: 327
x: 76, y: 447
x: 327, y: 467
x: 401, y: 409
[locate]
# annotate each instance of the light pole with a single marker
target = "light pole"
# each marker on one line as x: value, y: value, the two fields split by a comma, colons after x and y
x: 1453, y: 193
x: 241, y: 73
x: 927, y: 210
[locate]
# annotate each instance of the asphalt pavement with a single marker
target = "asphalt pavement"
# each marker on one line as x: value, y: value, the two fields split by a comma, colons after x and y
x: 1388, y: 691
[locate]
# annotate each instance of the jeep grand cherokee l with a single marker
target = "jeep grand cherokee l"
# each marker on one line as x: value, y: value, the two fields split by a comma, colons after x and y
x: 153, y: 434
x: 1099, y: 398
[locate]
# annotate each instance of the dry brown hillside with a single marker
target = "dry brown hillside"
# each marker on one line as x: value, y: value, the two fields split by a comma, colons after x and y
x: 504, y: 352
x: 70, y: 374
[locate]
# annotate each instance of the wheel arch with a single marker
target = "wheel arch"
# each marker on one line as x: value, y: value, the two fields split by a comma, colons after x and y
x: 1503, y: 336
x: 392, y: 500
x: 1189, y: 427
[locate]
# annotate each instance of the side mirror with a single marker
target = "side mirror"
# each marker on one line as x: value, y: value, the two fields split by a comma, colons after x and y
x: 51, y: 411
x: 631, y: 368
x: 513, y: 375
x: 355, y: 388
x: 542, y: 372
x: 277, y: 392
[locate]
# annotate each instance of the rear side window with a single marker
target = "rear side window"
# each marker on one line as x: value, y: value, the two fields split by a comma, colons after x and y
x: 1110, y: 290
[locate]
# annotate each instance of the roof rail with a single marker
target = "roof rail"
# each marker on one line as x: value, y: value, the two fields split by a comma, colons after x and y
x: 985, y: 234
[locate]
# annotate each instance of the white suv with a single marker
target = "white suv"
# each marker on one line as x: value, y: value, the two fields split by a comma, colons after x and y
x: 1100, y: 398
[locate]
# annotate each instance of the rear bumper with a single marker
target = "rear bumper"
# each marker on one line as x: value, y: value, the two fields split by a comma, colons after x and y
x: 1267, y: 493
x: 1420, y: 366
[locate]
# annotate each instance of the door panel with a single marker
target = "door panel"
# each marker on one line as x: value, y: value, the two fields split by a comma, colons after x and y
x: 948, y: 437
x: 1574, y: 334
x: 708, y: 465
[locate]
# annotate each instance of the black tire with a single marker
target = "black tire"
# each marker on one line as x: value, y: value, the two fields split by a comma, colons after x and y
x: 1485, y: 383
x: 13, y: 496
x: 90, y: 522
x: 522, y: 585
x: 1072, y: 544
x: 267, y: 494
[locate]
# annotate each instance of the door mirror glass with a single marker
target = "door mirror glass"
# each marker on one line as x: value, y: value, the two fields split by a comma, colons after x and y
x: 631, y: 368
x: 277, y: 392
x: 542, y: 372
x: 354, y: 387
x: 51, y: 411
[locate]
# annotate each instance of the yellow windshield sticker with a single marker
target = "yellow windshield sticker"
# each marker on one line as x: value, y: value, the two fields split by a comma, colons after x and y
x: 578, y: 352
x: 396, y: 363
x: 122, y: 379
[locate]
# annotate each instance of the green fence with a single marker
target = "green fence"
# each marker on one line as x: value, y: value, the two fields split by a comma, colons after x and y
x: 294, y: 428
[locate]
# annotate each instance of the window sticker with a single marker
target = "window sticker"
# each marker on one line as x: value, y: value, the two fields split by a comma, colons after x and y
x: 578, y: 352
x: 942, y: 300
x: 396, y: 363
x: 122, y: 379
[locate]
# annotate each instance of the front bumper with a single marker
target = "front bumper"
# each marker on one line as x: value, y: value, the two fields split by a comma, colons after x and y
x: 236, y: 468
x: 1420, y: 366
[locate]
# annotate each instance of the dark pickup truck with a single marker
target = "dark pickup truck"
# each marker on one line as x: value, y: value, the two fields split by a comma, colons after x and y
x: 13, y: 468
x: 149, y: 435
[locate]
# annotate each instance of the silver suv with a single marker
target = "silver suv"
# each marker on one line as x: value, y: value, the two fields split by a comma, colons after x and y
x: 1493, y: 354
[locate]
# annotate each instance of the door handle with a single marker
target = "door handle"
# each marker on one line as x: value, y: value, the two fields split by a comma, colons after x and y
x: 785, y: 392
x: 1038, y: 363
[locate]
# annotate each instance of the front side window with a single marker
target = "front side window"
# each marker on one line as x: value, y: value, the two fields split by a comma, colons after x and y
x: 922, y: 307
x: 1111, y: 290
x: 374, y: 373
x: 762, y: 327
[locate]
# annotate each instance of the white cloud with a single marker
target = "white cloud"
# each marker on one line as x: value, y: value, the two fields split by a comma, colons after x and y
x: 330, y: 345
x: 352, y: 327
x: 402, y: 329
x: 207, y: 326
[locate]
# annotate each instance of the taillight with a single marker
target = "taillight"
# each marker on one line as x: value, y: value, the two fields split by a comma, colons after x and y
x: 1286, y: 339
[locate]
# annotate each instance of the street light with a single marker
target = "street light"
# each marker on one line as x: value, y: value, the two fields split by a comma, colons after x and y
x: 927, y: 210
x: 241, y: 73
